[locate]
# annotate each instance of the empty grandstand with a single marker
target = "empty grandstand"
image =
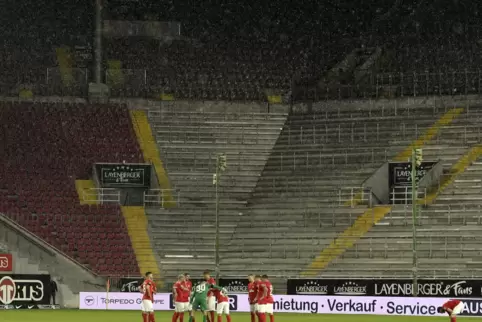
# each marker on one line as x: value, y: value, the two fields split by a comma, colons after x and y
x: 316, y: 128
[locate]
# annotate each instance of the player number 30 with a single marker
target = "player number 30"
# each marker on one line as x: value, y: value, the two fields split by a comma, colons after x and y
x: 200, y: 288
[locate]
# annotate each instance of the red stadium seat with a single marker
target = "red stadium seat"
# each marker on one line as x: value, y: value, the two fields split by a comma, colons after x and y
x: 47, y: 146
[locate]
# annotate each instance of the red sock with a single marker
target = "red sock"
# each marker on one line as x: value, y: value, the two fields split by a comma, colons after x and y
x: 253, y: 317
x: 181, y: 317
x: 453, y: 319
x: 152, y: 317
x: 262, y: 317
x: 220, y: 318
x: 212, y: 316
x: 271, y: 318
x: 259, y: 316
x: 145, y: 317
x: 175, y: 316
x: 228, y: 318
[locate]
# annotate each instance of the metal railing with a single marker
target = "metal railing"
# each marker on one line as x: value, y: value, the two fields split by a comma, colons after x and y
x: 101, y: 195
x: 429, y: 246
x: 294, y: 160
x: 145, y: 83
x: 159, y: 197
x: 395, y: 246
x: 204, y: 161
x: 214, y: 134
x: 193, y: 116
x: 402, y: 195
x: 352, y: 196
x: 314, y: 134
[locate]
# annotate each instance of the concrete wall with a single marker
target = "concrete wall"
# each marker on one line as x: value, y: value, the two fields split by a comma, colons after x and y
x: 33, y: 256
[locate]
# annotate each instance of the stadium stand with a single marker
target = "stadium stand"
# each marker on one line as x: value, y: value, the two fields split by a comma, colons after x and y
x: 45, y: 148
x: 213, y: 71
x: 448, y: 225
x: 302, y: 200
x: 189, y: 136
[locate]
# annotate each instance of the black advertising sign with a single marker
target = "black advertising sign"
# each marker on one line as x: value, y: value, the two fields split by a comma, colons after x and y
x: 30, y: 307
x: 20, y: 290
x: 466, y: 288
x: 400, y: 174
x: 234, y: 285
x: 123, y: 175
x: 471, y: 308
x: 130, y: 284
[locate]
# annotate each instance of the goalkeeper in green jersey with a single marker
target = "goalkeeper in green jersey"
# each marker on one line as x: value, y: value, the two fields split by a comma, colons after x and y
x: 199, y: 298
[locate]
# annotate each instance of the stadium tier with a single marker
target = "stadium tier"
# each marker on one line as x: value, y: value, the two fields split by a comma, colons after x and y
x: 46, y: 147
x: 292, y: 200
x: 283, y: 215
x: 320, y: 161
x: 209, y: 71
x: 190, y: 135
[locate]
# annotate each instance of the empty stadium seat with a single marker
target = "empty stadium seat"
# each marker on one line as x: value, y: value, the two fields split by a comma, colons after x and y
x: 45, y: 148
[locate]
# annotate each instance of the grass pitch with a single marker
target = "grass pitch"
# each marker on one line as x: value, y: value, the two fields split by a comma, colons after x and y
x: 135, y: 316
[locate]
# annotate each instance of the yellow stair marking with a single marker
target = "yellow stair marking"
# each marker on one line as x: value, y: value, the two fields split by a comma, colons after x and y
x: 346, y: 239
x: 458, y: 168
x: 403, y: 156
x: 25, y: 93
x: 364, y: 223
x: 136, y: 222
x: 65, y: 65
x: 446, y: 119
x: 166, y: 97
x: 151, y: 153
x: 115, y: 75
x: 85, y: 185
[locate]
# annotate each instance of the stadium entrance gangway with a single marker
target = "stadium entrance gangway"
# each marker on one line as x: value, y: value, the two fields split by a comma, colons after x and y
x: 102, y: 195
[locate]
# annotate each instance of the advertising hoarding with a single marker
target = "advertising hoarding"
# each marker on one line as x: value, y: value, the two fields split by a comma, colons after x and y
x: 409, y: 306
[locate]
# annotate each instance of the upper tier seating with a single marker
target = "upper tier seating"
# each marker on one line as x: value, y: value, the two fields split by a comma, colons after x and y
x: 212, y: 71
x: 45, y: 147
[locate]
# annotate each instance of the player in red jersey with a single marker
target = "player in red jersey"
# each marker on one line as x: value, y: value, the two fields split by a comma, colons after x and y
x: 452, y: 307
x: 148, y: 289
x: 223, y: 304
x: 265, y: 300
x: 257, y: 287
x: 181, y: 298
x: 188, y: 287
x: 211, y: 296
x: 252, y: 293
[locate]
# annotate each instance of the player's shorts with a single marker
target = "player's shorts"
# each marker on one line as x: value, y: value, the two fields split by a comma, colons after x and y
x: 458, y: 308
x: 253, y: 307
x: 211, y: 303
x: 223, y: 308
x: 180, y: 307
x: 199, y: 303
x: 265, y: 308
x: 146, y: 306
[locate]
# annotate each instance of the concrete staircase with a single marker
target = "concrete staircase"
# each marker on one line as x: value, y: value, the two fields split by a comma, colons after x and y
x: 448, y: 231
x: 189, y: 140
x: 33, y: 256
x: 301, y: 203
